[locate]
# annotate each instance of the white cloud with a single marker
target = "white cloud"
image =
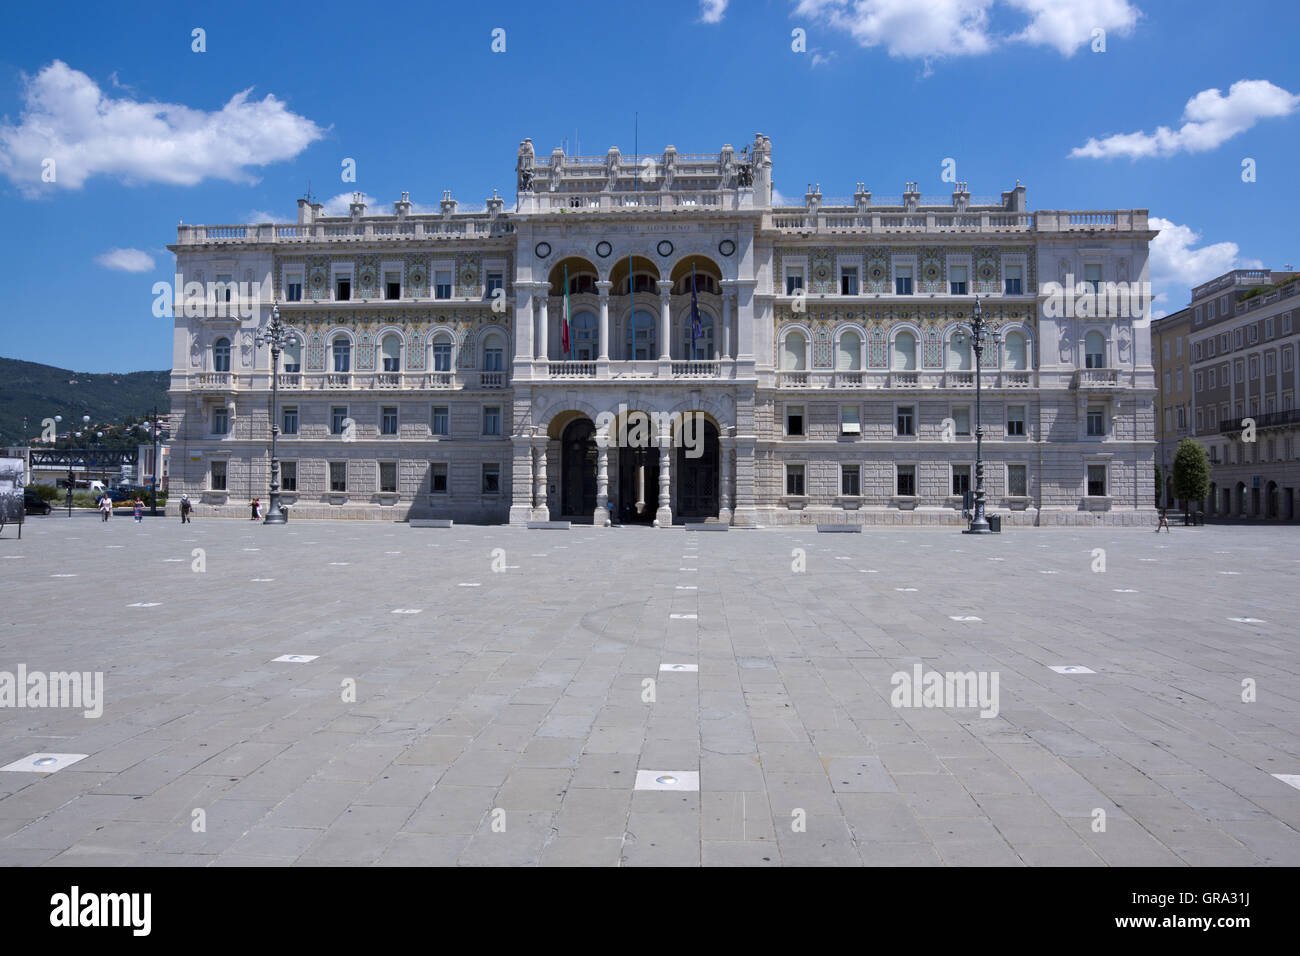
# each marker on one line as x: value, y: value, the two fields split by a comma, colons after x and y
x: 126, y: 260
x: 340, y: 205
x: 929, y: 29
x: 819, y: 60
x: 259, y: 216
x: 1210, y: 119
x: 68, y: 118
x: 1177, y: 265
x: 1068, y: 24
x: 711, y: 11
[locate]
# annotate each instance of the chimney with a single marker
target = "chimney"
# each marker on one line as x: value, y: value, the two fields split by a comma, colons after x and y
x: 862, y: 197
x: 305, y: 209
x: 448, y: 204
x: 1013, y: 200
x: 495, y: 205
x: 911, y: 196
x: 960, y: 196
x: 402, y: 208
x: 357, y: 207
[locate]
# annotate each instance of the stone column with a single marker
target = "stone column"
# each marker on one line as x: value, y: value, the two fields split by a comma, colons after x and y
x: 664, y: 515
x: 665, y: 320
x: 602, y: 356
x: 724, y: 479
x: 601, y: 518
x: 524, y: 325
x: 521, y: 484
x: 543, y: 326
x: 540, y: 510
x: 727, y: 296
x: 745, y: 514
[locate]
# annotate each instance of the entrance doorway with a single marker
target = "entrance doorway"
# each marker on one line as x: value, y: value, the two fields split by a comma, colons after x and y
x: 578, y: 470
x: 630, y: 462
x: 697, y: 478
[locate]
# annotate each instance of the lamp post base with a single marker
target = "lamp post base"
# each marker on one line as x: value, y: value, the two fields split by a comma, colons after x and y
x: 274, y: 513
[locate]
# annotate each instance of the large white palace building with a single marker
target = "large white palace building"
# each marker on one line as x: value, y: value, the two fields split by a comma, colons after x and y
x: 829, y: 374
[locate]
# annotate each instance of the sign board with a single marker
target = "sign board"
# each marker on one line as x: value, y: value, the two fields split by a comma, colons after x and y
x: 13, y: 474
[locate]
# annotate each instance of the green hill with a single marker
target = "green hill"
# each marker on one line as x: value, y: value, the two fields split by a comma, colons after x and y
x: 34, y: 391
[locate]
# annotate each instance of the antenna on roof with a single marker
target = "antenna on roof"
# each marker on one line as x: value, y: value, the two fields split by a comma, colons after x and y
x: 309, y: 196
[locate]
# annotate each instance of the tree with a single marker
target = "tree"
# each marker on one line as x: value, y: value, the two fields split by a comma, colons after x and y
x: 1191, y: 472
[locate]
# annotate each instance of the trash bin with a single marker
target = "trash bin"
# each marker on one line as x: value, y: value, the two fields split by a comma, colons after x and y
x: 995, y: 523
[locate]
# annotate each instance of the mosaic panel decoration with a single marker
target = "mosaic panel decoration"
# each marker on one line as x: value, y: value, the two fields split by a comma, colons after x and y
x: 465, y: 351
x: 318, y: 277
x: 467, y: 275
x: 367, y: 277
x: 821, y: 346
x: 316, y: 352
x: 878, y: 270
x: 366, y: 352
x: 822, y: 269
x: 933, y: 347
x: 987, y: 270
x: 415, y: 351
x: 417, y: 276
x: 933, y: 277
x: 876, y: 347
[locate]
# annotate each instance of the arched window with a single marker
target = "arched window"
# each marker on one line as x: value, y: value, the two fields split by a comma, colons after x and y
x: 1094, y: 350
x: 959, y: 351
x: 582, y: 282
x: 794, y: 354
x: 905, y: 351
x: 699, y: 348
x: 442, y: 346
x: 342, y: 351
x: 848, y: 355
x: 641, y: 334
x: 391, y: 350
x: 292, y: 356
x: 704, y: 283
x: 221, y: 355
x: 582, y: 337
x: 642, y: 282
x: 1015, y: 357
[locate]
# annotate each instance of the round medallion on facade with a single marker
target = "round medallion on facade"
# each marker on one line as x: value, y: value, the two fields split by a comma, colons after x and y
x: 417, y: 277
x: 467, y: 276
x: 367, y: 279
x: 726, y: 247
x: 932, y: 272
x: 603, y: 249
x: 665, y: 248
x: 986, y: 272
x: 822, y: 273
x: 877, y: 272
x: 543, y: 249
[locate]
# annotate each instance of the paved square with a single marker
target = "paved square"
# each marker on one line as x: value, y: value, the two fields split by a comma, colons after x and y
x: 507, y: 723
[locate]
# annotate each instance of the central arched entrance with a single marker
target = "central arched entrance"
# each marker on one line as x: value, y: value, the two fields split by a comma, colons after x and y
x: 578, y: 470
x: 697, y: 468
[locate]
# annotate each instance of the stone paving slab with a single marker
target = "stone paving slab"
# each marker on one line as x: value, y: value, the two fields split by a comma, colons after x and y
x: 504, y: 724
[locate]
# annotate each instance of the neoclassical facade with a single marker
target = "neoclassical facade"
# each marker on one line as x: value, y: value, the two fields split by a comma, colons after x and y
x: 649, y: 339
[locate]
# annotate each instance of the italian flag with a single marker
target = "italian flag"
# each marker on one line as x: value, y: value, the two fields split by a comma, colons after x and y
x: 564, y: 319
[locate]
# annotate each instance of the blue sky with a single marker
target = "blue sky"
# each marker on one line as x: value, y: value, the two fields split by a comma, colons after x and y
x: 146, y: 132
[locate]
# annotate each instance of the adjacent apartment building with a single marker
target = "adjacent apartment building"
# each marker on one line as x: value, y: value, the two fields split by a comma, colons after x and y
x: 1239, y: 361
x: 650, y: 339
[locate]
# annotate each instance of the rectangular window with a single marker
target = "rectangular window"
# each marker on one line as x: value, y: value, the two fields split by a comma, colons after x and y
x: 906, y: 481
x: 849, y: 281
x: 1286, y: 360
x: 1199, y: 351
x: 1252, y: 334
x: 220, y: 421
x: 388, y: 477
x: 961, y: 419
x: 1268, y: 328
x: 1209, y: 379
x: 905, y: 420
x: 1166, y: 350
x: 224, y: 284
x: 851, y: 481
x: 1178, y: 378
x: 492, y: 359
x: 288, y: 476
x: 1092, y: 276
x: 1211, y: 419
x: 960, y: 479
x: 1286, y: 324
x: 794, y: 420
x: 1196, y: 315
x: 442, y: 284
x: 1209, y: 311
x: 438, y: 478
x: 1270, y: 364
x: 388, y: 420
x: 293, y: 289
x: 442, y: 357
x: 1015, y: 419
x: 289, y: 420
x: 492, y: 420
x: 338, y: 415
x: 338, y: 476
x: 1096, y: 481
x: 491, y: 479
x: 1012, y: 282
x: 903, y: 280
x: 794, y: 480
x: 1017, y: 481
x: 495, y: 281
x: 793, y: 280
x: 1096, y: 421
x: 1200, y: 419
x: 957, y: 280
x: 1236, y: 339
x: 1239, y: 370
x: 1200, y: 380
x: 1178, y: 347
x: 343, y: 289
x: 850, y: 420
x: 217, y: 476
x: 440, y: 420
x: 392, y: 285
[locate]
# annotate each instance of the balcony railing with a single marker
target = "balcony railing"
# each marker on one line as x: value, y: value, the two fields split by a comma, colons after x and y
x: 1096, y: 378
x: 213, y: 380
x: 1266, y: 420
x: 700, y: 369
x: 491, y: 379
x: 896, y: 378
x: 571, y: 370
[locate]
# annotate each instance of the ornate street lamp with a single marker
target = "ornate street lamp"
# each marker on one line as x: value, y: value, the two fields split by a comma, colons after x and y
x: 276, y: 336
x: 980, y: 334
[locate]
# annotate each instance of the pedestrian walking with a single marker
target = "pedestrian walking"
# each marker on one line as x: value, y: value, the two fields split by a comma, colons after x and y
x: 105, y: 506
x: 1164, y: 522
x: 139, y: 510
x: 185, y: 509
x: 257, y: 509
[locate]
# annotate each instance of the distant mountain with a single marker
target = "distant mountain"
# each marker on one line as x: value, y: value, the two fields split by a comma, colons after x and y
x: 43, y: 391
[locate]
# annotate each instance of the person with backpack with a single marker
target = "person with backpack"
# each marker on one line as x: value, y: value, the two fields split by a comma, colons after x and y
x: 185, y: 509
